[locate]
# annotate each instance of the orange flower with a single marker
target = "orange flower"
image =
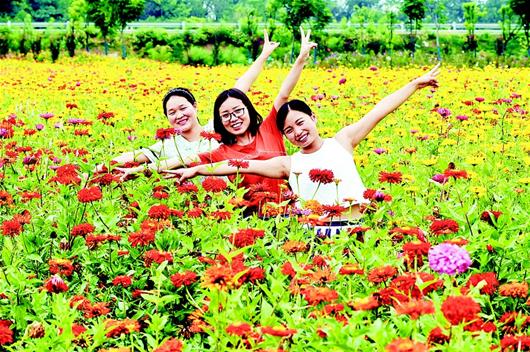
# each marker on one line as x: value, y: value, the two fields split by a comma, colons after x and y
x: 415, y: 308
x: 117, y: 327
x: 294, y: 246
x: 514, y: 289
x: 315, y: 295
x: 220, y: 277
x: 405, y: 345
x: 367, y: 303
x: 350, y: 269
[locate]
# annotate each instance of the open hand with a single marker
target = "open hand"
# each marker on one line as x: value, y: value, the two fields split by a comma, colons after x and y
x: 128, y: 171
x: 181, y: 174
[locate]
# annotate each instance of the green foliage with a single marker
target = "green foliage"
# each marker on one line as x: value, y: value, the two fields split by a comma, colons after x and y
x: 71, y: 42
x: 55, y: 47
x: 294, y: 13
x: 522, y: 9
x: 199, y: 56
x: 5, y: 38
x: 415, y: 12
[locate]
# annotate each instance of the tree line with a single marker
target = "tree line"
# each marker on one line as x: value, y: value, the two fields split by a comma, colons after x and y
x: 112, y: 16
x: 234, y: 10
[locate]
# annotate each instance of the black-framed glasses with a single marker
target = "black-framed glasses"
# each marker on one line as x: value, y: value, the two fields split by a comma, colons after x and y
x: 236, y: 113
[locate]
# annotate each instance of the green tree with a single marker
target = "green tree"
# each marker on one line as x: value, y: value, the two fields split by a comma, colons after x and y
x: 124, y: 12
x: 522, y: 9
x: 294, y: 13
x: 472, y: 13
x: 509, y: 32
x: 415, y: 12
x: 101, y: 13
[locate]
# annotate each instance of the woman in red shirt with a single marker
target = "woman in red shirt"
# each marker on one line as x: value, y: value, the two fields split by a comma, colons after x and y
x: 246, y: 136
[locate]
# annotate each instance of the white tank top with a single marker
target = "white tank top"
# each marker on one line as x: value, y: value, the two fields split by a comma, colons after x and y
x: 334, y: 157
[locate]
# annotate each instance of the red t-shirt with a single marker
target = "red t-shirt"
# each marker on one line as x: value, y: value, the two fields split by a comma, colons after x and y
x: 267, y: 144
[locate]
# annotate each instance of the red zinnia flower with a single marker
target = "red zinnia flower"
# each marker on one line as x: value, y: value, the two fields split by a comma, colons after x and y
x: 246, y: 237
x: 187, y: 187
x: 489, y: 215
x: 214, y: 184
x: 381, y: 274
x: 415, y: 308
x: 436, y: 336
x: 82, y: 229
x: 239, y: 329
x: 165, y: 133
x: 333, y: 210
x: 390, y: 177
x: 240, y: 164
x: 378, y: 196
x: 66, y: 175
x: 350, y: 269
x: 159, y: 212
x: 460, y: 309
x: 415, y: 251
x: 157, y: 256
x: 445, y: 227
x: 55, y: 285
x: 184, y: 279
x: 211, y: 135
x: 6, y: 334
x: 122, y: 280
x: 456, y: 173
x: 78, y: 329
x: 141, y: 238
x: 11, y: 228
x: 221, y: 215
x: 89, y: 194
x: 323, y: 176
x: 490, y: 280
x: 61, y: 266
x: 287, y: 269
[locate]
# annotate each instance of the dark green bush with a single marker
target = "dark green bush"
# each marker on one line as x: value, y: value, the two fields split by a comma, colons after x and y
x: 5, y: 38
x: 55, y: 47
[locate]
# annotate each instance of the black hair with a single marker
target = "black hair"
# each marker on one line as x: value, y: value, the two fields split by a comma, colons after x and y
x: 255, y: 118
x: 296, y: 105
x: 181, y: 92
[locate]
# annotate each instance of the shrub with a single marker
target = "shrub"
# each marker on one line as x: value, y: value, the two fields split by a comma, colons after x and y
x: 55, y: 47
x: 199, y: 56
x: 4, y: 41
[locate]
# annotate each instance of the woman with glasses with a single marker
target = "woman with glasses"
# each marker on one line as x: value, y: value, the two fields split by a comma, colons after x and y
x: 183, y: 140
x: 245, y: 135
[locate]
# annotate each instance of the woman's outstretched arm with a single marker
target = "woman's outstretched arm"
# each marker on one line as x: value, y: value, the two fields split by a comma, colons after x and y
x: 353, y: 134
x: 294, y: 75
x: 277, y: 167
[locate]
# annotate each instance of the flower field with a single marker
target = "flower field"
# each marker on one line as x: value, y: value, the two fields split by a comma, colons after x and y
x: 441, y: 261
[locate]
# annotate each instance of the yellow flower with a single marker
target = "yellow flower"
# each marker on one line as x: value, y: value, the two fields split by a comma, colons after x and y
x: 524, y: 180
x: 478, y: 190
x: 429, y: 162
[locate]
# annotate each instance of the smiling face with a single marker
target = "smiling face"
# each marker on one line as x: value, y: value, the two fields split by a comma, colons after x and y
x: 234, y: 117
x: 181, y: 113
x: 301, y: 130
